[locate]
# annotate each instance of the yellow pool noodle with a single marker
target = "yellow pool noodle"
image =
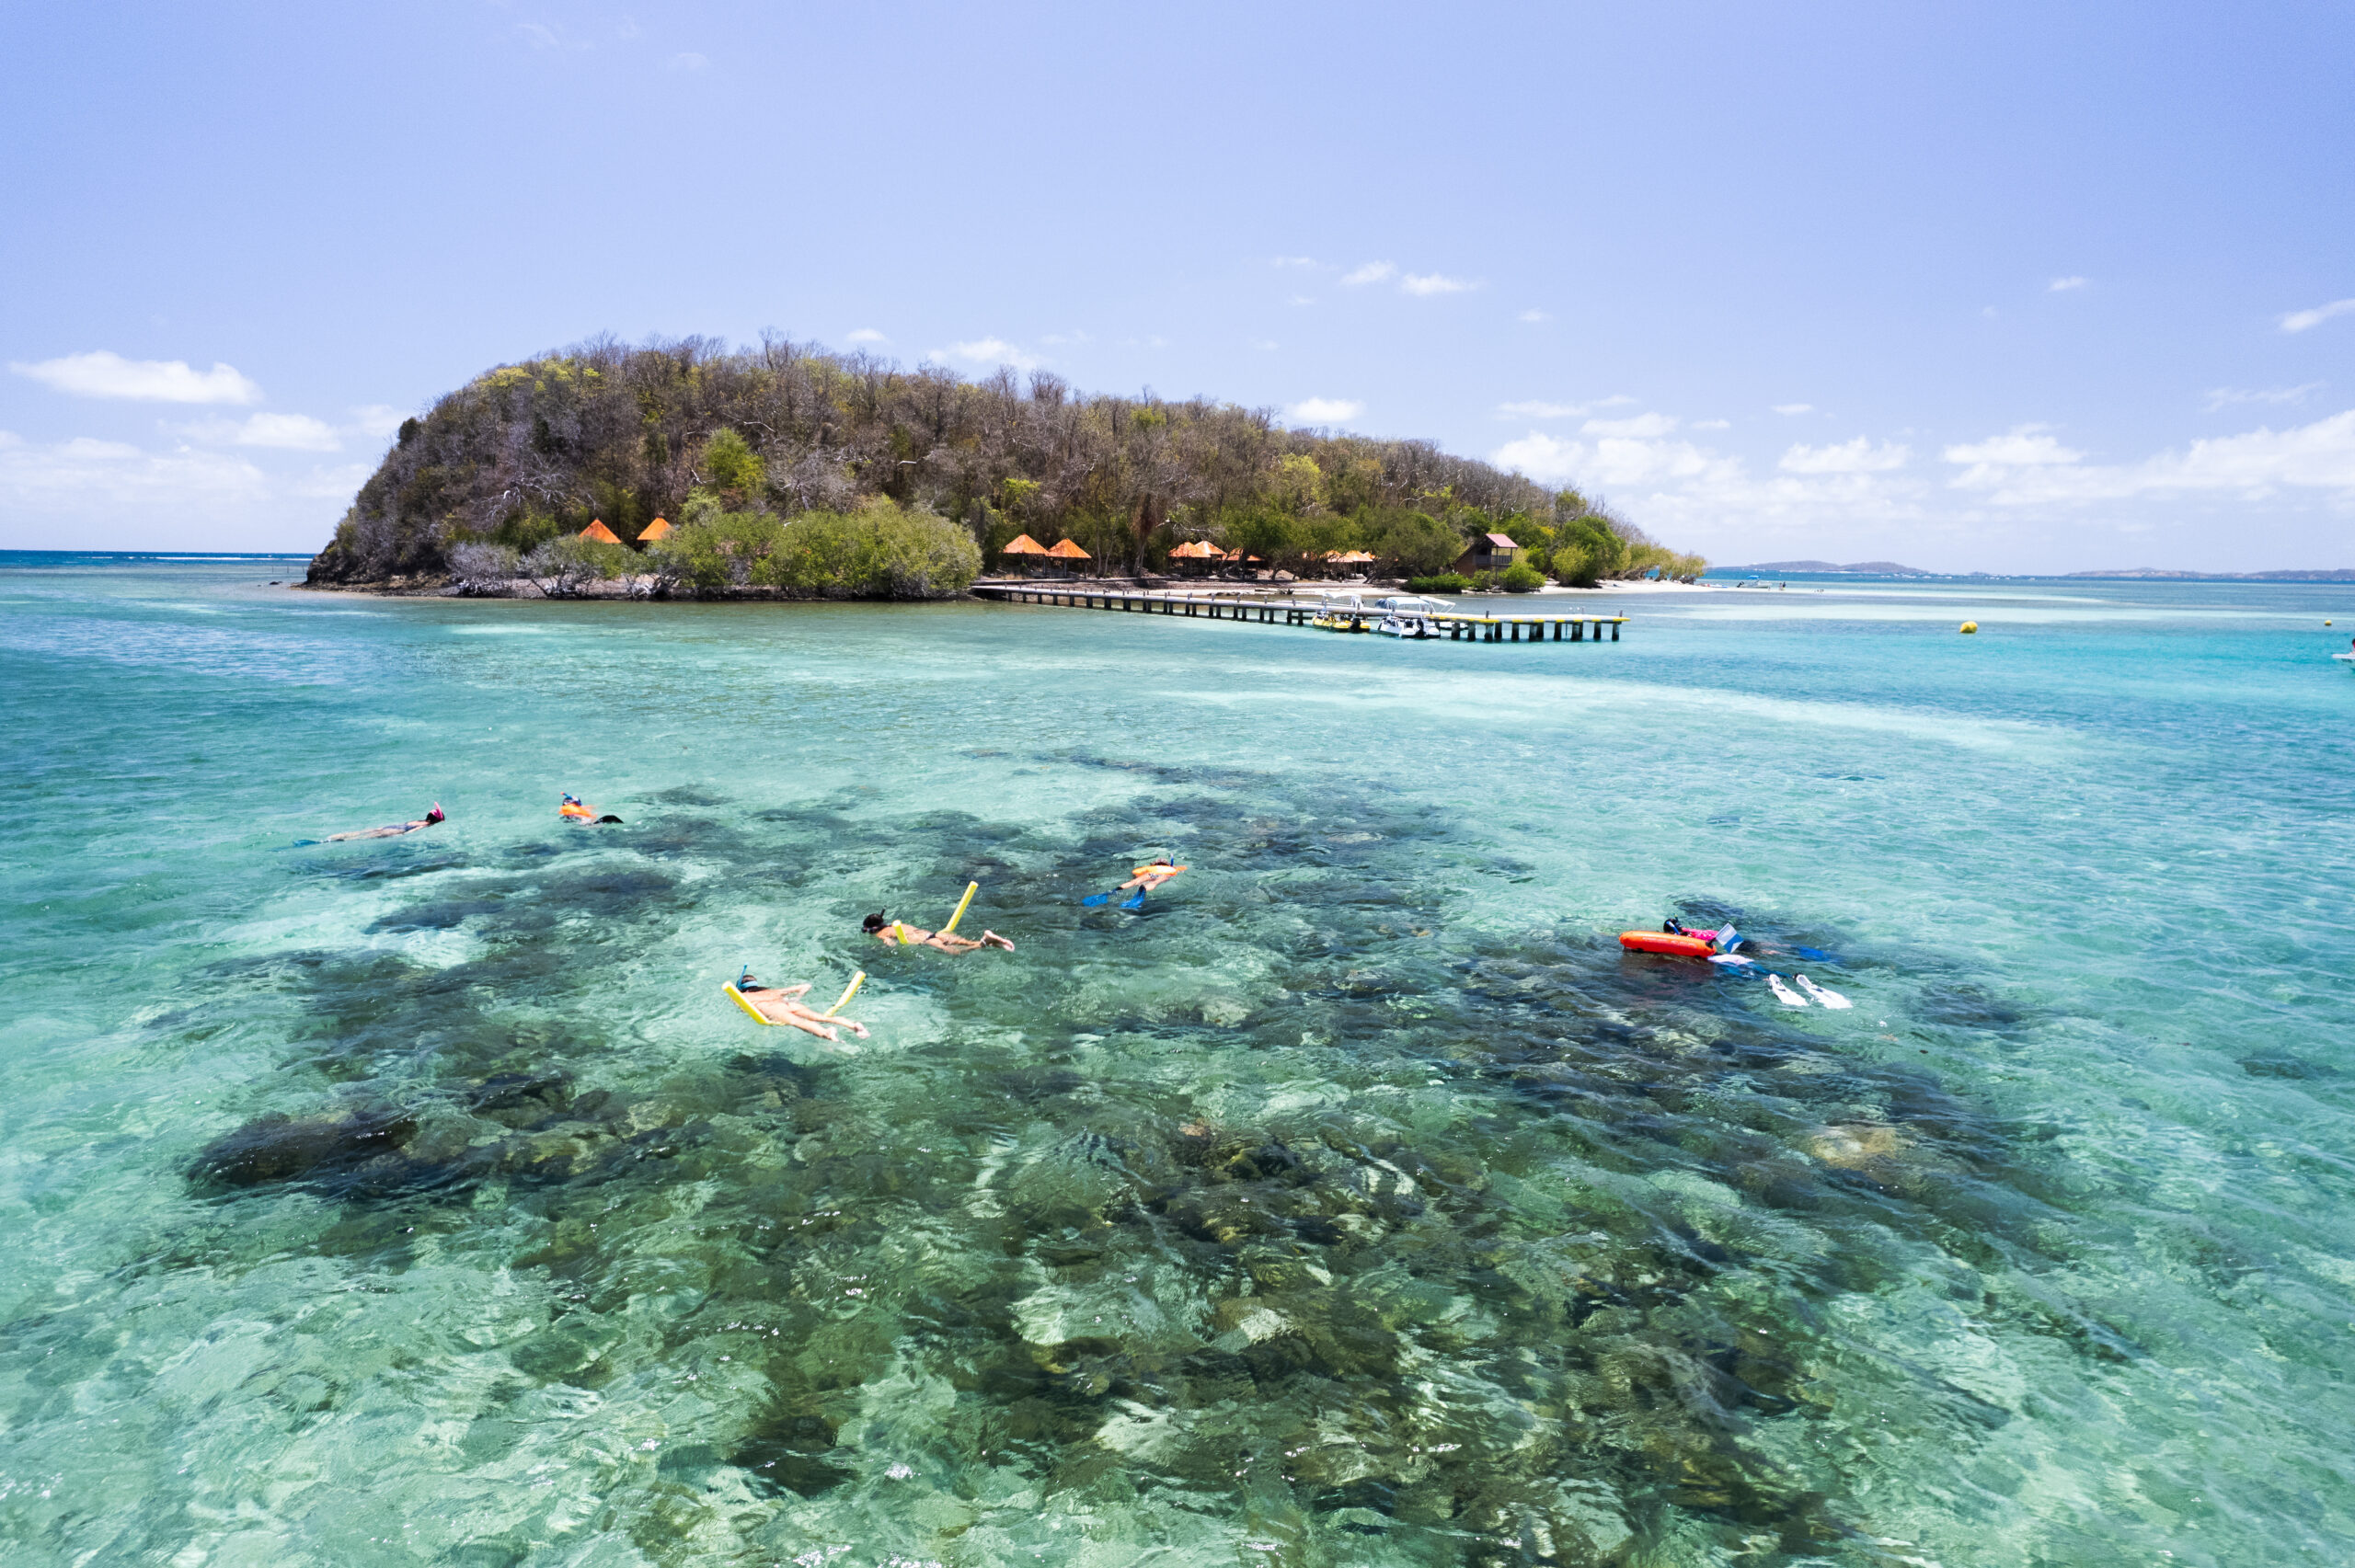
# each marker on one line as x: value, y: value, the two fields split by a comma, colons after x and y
x: 738, y: 997
x: 849, y: 990
x: 970, y: 888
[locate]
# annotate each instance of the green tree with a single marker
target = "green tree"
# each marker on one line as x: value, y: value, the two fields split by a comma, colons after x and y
x: 732, y: 467
x: 1417, y: 543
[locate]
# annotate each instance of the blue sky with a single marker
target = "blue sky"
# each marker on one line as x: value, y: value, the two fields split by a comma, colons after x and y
x: 2011, y: 287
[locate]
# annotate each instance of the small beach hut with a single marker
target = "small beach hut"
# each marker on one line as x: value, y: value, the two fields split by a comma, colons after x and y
x: 658, y: 529
x: 600, y: 532
x: 1197, y: 550
x: 1066, y: 550
x: 1023, y: 545
x: 1489, y: 552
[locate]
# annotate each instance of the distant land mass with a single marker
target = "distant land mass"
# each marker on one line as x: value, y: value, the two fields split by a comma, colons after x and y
x: 1856, y: 568
x: 2341, y: 574
x: 1892, y: 570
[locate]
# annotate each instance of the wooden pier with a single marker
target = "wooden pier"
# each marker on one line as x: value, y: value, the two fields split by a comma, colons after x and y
x: 1455, y: 625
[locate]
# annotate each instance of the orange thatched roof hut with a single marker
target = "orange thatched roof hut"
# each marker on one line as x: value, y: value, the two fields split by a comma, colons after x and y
x: 658, y: 529
x: 1197, y: 550
x: 600, y: 532
x: 1023, y: 544
x: 1065, y: 550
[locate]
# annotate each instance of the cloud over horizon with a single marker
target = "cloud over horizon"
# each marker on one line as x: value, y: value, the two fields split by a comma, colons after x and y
x: 991, y: 352
x: 104, y: 374
x: 1324, y: 410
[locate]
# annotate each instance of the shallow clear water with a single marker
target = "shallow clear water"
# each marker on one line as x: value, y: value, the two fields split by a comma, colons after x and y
x: 1358, y: 1202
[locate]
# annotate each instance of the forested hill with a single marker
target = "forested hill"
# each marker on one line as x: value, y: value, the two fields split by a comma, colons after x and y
x: 533, y: 452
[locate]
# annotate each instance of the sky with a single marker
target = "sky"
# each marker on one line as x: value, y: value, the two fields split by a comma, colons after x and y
x: 1999, y: 287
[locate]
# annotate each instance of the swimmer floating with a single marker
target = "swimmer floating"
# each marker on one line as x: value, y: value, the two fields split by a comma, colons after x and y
x: 1679, y: 942
x: 899, y: 934
x: 572, y: 810
x: 389, y: 831
x: 1144, y: 880
x: 782, y: 1006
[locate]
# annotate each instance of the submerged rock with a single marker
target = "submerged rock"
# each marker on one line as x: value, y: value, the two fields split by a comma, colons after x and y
x: 278, y: 1148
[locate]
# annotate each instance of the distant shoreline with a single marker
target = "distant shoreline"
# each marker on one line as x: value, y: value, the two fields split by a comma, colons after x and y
x: 2130, y: 574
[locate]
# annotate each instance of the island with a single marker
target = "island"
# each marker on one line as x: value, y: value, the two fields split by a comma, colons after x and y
x: 688, y: 468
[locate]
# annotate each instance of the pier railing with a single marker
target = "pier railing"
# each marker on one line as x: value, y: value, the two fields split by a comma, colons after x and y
x: 1455, y: 625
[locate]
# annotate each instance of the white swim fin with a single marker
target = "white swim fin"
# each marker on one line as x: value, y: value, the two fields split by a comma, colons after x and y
x: 1784, y: 993
x: 1823, y: 998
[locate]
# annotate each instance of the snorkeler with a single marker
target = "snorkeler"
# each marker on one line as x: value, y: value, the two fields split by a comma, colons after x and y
x: 899, y: 934
x: 1725, y: 939
x: 1143, y: 878
x: 389, y: 831
x: 782, y: 1005
x: 572, y: 810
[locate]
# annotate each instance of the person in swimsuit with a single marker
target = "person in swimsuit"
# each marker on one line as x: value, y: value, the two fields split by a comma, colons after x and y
x: 899, y: 934
x: 572, y: 810
x: 390, y: 829
x: 782, y: 1005
x: 1151, y: 876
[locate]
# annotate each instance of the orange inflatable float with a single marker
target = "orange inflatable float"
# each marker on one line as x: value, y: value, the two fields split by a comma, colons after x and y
x: 1666, y: 941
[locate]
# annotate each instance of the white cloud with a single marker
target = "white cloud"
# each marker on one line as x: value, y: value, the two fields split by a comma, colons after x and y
x: 2063, y: 285
x: 1562, y: 410
x: 1614, y: 461
x: 2228, y: 396
x: 1265, y: 345
x: 1302, y: 300
x: 992, y: 351
x: 103, y: 374
x: 2299, y: 320
x: 1062, y: 339
x: 2027, y: 469
x: 1371, y: 272
x: 2023, y: 446
x: 1534, y: 315
x: 1324, y: 410
x: 86, y: 477
x: 111, y: 495
x: 288, y: 432
x: 282, y: 432
x: 1713, y: 424
x: 552, y: 36
x: 1297, y: 261
x: 376, y: 421
x: 1788, y: 408
x: 1428, y: 283
x: 688, y: 61
x: 1642, y: 427
x: 1549, y: 460
x: 1858, y: 456
x: 865, y: 335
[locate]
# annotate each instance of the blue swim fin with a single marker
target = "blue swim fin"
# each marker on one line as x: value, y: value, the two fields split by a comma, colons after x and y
x: 1096, y: 901
x: 1135, y: 900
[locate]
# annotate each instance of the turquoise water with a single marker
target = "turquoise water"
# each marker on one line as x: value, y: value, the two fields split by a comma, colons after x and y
x: 1356, y: 1203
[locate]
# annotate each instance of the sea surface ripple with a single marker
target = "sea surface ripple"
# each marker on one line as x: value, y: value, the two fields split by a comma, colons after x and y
x: 1356, y: 1202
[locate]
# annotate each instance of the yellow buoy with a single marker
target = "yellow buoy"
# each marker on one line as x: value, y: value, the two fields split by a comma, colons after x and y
x: 1970, y: 626
x: 951, y: 929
